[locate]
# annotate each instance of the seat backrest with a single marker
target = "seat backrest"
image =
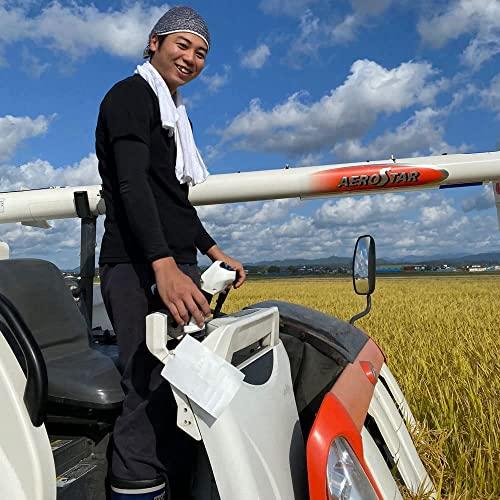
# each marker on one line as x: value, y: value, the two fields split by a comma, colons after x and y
x: 38, y: 291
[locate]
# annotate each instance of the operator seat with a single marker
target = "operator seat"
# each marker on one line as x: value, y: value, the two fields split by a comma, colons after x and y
x: 77, y: 374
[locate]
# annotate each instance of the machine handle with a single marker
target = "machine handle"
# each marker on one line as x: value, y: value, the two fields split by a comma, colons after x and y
x: 36, y: 390
x: 156, y: 335
x: 262, y: 325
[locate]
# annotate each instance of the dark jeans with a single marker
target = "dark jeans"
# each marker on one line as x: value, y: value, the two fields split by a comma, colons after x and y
x: 147, y: 443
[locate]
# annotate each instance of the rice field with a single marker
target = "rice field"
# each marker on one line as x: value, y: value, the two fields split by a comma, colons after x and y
x: 442, y: 342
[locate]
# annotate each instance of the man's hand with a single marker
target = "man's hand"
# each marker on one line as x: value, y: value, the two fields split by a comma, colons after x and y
x: 179, y: 293
x: 215, y: 253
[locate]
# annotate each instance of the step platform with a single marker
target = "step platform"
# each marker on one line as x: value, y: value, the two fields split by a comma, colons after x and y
x: 80, y: 469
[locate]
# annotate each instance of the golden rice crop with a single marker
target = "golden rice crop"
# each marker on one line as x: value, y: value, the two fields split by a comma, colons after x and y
x: 442, y: 342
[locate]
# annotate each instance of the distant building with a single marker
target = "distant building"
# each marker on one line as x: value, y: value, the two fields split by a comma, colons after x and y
x: 476, y: 268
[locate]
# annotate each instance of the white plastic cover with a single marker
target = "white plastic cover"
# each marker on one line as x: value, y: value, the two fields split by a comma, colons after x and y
x: 204, y: 377
x: 26, y: 462
x: 256, y: 448
x: 251, y: 431
x: 398, y: 440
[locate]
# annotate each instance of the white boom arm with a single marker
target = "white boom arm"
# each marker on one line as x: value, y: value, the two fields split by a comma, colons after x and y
x: 35, y: 207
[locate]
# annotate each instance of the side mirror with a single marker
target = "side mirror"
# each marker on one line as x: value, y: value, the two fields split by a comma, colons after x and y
x: 363, y: 272
x: 363, y: 266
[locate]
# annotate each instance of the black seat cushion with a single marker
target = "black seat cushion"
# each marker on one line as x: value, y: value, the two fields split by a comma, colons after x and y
x: 78, y: 375
x: 86, y: 378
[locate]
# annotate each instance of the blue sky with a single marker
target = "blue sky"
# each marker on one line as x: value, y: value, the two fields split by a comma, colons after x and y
x: 302, y: 82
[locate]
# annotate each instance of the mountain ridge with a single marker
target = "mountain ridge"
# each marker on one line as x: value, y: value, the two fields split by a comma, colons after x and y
x: 334, y: 260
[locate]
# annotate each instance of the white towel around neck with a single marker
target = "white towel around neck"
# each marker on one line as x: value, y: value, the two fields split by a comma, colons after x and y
x: 189, y: 166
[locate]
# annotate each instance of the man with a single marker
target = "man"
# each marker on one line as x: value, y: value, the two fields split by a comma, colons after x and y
x: 147, y: 160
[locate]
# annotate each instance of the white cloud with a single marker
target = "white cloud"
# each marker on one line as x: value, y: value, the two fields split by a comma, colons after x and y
x: 370, y: 7
x: 231, y: 216
x: 61, y: 242
x: 346, y: 30
x: 77, y: 30
x: 441, y: 231
x: 366, y: 209
x: 247, y: 231
x: 274, y: 210
x: 216, y: 81
x: 13, y: 22
x: 15, y: 129
x: 483, y: 200
x: 27, y: 241
x: 426, y: 223
x: 297, y: 226
x: 40, y: 173
x: 436, y: 215
x: 420, y: 223
x: 320, y: 28
x: 256, y: 58
x: 491, y: 96
x: 310, y: 160
x: 420, y: 135
x: 31, y: 65
x: 478, y: 18
x: 363, y: 10
x: 287, y: 7
x: 346, y: 113
x: 312, y: 36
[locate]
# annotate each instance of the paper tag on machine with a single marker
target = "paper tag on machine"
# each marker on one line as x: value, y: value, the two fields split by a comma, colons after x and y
x: 204, y: 377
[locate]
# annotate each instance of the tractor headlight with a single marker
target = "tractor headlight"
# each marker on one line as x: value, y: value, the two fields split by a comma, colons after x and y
x: 345, y: 477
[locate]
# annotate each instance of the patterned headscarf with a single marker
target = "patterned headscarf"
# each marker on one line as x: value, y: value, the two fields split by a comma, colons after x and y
x: 180, y: 19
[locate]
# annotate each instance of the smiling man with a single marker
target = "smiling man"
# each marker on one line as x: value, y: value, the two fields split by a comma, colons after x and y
x: 179, y: 58
x: 147, y: 160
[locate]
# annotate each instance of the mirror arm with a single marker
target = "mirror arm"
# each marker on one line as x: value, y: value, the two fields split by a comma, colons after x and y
x: 362, y: 313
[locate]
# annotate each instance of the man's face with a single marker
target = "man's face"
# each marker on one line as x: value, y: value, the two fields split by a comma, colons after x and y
x: 179, y: 59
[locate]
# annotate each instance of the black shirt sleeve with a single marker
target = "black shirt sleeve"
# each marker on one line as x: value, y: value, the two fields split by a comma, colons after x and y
x: 203, y: 240
x: 132, y: 163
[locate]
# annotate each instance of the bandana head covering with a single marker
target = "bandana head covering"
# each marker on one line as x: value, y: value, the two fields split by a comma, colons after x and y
x: 180, y: 19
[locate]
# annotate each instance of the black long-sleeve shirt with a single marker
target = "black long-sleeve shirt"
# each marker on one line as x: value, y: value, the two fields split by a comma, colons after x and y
x: 148, y: 213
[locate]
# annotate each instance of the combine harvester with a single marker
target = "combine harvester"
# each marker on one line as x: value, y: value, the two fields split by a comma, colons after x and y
x: 297, y: 404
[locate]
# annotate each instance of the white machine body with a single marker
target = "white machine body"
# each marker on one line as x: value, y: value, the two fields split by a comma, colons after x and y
x: 255, y: 447
x: 390, y: 410
x: 36, y: 207
x: 26, y: 462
